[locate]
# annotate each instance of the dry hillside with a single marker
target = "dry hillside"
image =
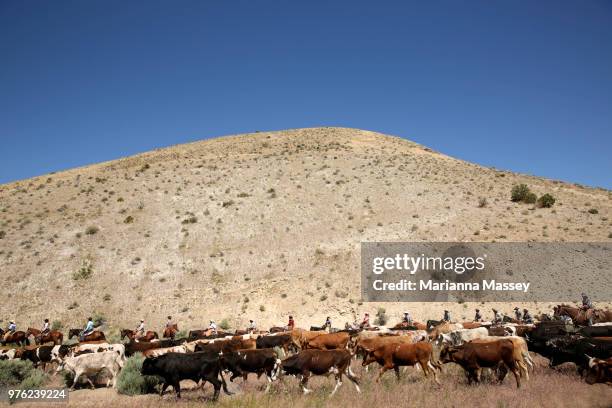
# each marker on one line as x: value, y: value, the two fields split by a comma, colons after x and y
x: 257, y: 225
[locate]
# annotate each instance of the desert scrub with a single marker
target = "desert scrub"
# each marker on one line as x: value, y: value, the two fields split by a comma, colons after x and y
x: 224, y: 324
x: 84, y: 272
x: 381, y: 317
x: 546, y: 201
x: 92, y: 230
x: 519, y: 192
x: 131, y: 382
x: 530, y: 198
x: 20, y: 374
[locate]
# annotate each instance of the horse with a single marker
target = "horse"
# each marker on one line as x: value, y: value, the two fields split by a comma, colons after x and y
x: 581, y: 317
x: 55, y: 336
x: 170, y: 332
x: 412, y: 326
x: 93, y: 336
x: 131, y: 334
x: 19, y: 337
x: 277, y: 329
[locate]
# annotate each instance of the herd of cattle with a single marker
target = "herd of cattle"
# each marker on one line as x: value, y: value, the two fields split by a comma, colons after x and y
x: 204, y: 356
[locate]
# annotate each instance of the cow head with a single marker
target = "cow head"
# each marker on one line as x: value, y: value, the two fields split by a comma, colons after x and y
x: 448, y: 354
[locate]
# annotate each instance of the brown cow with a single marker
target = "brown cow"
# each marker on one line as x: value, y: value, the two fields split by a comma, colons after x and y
x: 320, y: 362
x: 329, y: 341
x: 301, y: 337
x: 521, y: 352
x: 224, y: 345
x: 473, y: 356
x: 600, y: 371
x: 395, y: 355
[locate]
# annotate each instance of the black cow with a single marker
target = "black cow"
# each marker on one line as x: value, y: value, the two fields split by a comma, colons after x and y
x: 243, y: 362
x: 134, y: 347
x: 283, y: 341
x: 575, y: 349
x: 320, y: 362
x: 39, y: 356
x: 175, y: 367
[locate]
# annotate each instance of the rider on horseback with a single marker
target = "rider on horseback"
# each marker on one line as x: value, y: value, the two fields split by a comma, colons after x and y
x: 291, y: 323
x: 478, y: 316
x: 252, y: 327
x: 89, y: 328
x: 407, y: 320
x: 12, y: 327
x: 527, y: 317
x: 497, y: 317
x: 366, y: 321
x: 327, y: 324
x: 46, y: 328
x: 140, y: 330
x: 517, y: 314
x: 447, y: 316
x: 213, y: 327
x: 169, y: 322
x: 587, y: 306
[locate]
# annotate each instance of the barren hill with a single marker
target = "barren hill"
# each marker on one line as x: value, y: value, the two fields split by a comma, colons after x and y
x: 257, y: 225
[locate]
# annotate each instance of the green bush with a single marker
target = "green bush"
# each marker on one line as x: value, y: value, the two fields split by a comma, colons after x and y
x: 593, y: 211
x: 530, y: 198
x: 546, y: 201
x: 56, y: 325
x: 20, y: 374
x: 131, y: 382
x: 92, y: 230
x: 84, y: 272
x: 381, y: 317
x: 224, y: 324
x: 519, y: 192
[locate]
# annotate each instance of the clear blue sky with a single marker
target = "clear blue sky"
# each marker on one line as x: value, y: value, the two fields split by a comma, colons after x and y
x: 519, y: 85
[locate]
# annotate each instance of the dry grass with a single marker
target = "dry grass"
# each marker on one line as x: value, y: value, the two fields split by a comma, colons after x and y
x: 547, y: 388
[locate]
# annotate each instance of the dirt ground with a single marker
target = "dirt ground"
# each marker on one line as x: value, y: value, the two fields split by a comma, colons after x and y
x: 546, y: 388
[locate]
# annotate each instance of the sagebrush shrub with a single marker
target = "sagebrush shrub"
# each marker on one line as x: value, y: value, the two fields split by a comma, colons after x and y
x: 519, y: 192
x: 546, y: 201
x: 530, y: 198
x: 131, y: 382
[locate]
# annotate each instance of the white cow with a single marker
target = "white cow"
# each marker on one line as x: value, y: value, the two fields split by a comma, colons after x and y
x: 458, y: 337
x: 161, y: 351
x: 7, y: 354
x: 99, y: 347
x: 91, y: 364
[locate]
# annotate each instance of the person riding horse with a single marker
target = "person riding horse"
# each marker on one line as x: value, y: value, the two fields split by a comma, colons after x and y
x: 140, y: 330
x: 527, y: 317
x: 407, y: 320
x: 213, y: 327
x: 290, y: 324
x: 478, y: 316
x: 12, y: 328
x: 447, y: 316
x: 366, y: 321
x: 497, y: 317
x: 587, y: 306
x: 252, y: 327
x: 89, y: 328
x: 46, y: 328
x: 327, y: 325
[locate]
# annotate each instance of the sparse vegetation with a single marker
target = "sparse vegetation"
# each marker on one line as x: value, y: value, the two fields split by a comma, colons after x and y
x: 84, y: 272
x: 519, y: 193
x: 131, y: 382
x: 381, y: 317
x: 593, y: 211
x: 92, y: 230
x: 546, y: 201
x: 225, y: 325
x: 20, y: 374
